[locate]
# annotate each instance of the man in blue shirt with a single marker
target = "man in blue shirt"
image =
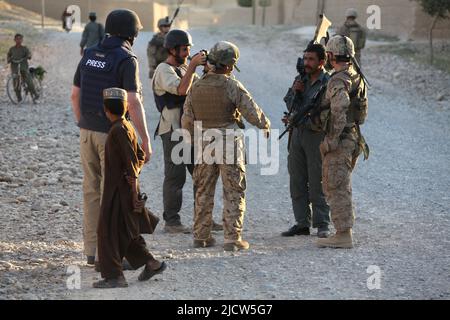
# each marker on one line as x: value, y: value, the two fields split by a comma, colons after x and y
x: 304, y: 160
x: 111, y: 63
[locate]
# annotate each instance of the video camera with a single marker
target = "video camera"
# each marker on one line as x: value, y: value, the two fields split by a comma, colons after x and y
x: 201, y: 51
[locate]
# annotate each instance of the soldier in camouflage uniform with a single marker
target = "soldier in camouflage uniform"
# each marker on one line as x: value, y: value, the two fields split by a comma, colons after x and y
x: 354, y: 31
x: 93, y: 33
x: 18, y: 57
x: 342, y: 144
x: 156, y: 52
x: 218, y: 100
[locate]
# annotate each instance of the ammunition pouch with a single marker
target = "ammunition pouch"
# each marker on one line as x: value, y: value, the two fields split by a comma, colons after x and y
x: 359, y: 106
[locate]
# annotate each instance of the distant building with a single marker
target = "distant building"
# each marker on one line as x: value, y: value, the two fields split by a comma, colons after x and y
x: 401, y: 18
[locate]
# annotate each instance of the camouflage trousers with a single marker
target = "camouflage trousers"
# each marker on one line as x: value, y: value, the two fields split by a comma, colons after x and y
x: 234, y: 185
x: 337, y: 169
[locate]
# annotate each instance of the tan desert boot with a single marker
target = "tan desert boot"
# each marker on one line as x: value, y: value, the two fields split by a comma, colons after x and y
x: 236, y: 246
x: 342, y: 239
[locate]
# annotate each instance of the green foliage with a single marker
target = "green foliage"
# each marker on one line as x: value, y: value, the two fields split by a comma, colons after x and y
x: 245, y: 3
x: 248, y: 3
x: 439, y: 8
x: 39, y: 72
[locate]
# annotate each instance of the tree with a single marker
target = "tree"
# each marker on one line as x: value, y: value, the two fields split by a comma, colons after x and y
x: 249, y: 4
x: 439, y: 10
x: 252, y: 4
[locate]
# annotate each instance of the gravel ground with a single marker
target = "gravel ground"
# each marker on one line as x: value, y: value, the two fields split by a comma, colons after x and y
x: 401, y: 194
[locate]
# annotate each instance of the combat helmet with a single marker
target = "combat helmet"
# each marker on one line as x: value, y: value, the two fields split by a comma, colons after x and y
x: 224, y: 53
x: 351, y: 13
x: 176, y: 38
x: 164, y: 22
x: 341, y: 46
x: 123, y: 23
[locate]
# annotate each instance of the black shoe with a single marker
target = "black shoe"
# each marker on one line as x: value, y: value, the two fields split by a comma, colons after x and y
x: 148, y: 273
x: 296, y: 231
x: 91, y: 260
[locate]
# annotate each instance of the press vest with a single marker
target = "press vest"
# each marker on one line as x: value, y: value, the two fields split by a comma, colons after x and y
x: 99, y: 69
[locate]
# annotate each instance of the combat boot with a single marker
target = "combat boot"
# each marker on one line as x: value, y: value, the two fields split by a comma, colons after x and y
x: 205, y: 243
x: 236, y: 246
x: 342, y: 239
x: 176, y: 229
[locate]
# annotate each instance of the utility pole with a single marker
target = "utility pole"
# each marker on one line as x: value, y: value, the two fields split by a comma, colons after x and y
x: 281, y: 13
x: 42, y: 13
x: 264, y: 16
x: 254, y: 11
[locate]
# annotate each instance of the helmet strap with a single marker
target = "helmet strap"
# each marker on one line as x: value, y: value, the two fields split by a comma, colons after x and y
x: 347, y: 56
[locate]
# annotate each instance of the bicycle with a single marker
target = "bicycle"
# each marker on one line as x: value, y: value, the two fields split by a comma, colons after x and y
x: 16, y: 83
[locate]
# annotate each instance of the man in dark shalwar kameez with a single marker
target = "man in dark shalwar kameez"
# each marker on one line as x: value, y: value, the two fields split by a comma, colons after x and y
x: 122, y: 213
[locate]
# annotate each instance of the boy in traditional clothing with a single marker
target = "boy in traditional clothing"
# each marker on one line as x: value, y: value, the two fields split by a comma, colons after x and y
x: 122, y: 209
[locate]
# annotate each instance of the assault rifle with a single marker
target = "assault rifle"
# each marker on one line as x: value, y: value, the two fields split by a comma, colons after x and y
x: 298, y: 116
x: 321, y: 32
x: 177, y: 11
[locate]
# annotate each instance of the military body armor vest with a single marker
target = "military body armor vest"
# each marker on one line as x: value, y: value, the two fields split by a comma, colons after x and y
x: 100, y: 70
x: 357, y: 111
x: 210, y: 102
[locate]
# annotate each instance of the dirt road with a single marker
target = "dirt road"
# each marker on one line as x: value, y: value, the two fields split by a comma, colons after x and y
x: 401, y: 194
